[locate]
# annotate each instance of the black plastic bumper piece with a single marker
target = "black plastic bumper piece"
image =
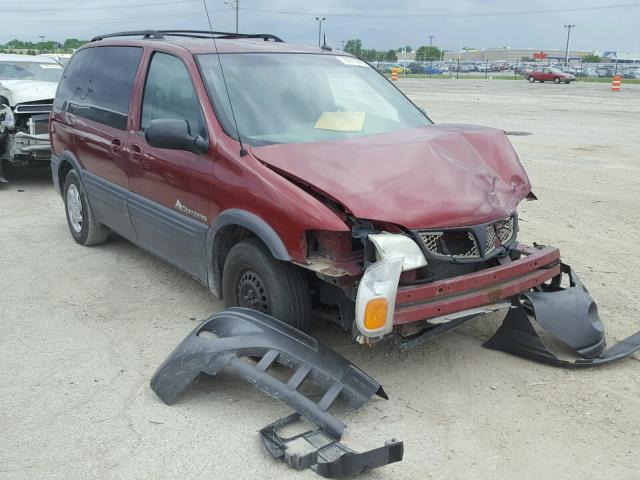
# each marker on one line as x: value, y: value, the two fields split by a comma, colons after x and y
x: 570, y: 315
x: 323, y: 453
x: 235, y: 336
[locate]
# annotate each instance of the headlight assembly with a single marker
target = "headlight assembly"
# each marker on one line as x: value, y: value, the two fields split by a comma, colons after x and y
x: 376, y: 299
x: 393, y: 245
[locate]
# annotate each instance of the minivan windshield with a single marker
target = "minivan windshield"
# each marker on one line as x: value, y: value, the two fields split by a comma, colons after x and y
x: 45, y: 71
x: 294, y: 98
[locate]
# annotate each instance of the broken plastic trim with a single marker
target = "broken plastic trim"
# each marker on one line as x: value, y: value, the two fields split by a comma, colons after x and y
x: 323, y: 453
x: 225, y: 338
x: 570, y: 315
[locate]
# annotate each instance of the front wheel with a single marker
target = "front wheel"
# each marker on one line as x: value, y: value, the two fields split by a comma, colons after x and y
x: 84, y: 228
x: 252, y: 278
x: 531, y: 79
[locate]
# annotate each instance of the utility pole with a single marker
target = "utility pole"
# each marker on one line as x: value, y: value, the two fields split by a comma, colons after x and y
x: 235, y: 4
x: 342, y: 42
x: 320, y: 20
x: 566, y: 52
x: 41, y: 43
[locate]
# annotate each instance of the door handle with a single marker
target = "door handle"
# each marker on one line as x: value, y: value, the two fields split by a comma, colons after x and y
x: 116, y: 146
x: 135, y: 153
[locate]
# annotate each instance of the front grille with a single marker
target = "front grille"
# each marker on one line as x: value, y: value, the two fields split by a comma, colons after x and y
x: 498, y: 234
x: 41, y: 108
x: 464, y: 244
x: 450, y: 244
x: 41, y: 127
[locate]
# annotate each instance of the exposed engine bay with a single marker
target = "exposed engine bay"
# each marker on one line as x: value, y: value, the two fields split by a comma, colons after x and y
x: 24, y: 138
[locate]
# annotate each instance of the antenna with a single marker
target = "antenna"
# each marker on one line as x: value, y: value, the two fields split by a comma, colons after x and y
x: 243, y: 152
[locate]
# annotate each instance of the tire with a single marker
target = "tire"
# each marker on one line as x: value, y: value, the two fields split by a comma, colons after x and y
x: 84, y: 228
x: 556, y: 80
x: 252, y: 278
x: 567, y: 82
x: 531, y: 79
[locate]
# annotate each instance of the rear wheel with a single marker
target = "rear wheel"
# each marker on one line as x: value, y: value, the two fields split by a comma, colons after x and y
x: 531, y: 79
x: 252, y: 278
x: 556, y: 80
x: 84, y: 228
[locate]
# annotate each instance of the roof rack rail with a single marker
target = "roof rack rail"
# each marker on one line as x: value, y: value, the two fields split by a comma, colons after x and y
x: 133, y: 33
x: 208, y: 34
x: 159, y: 35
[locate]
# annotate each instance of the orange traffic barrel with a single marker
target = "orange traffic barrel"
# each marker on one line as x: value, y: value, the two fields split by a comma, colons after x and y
x: 615, y: 84
x: 394, y: 73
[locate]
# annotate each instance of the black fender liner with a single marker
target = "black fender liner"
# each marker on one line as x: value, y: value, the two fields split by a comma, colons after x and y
x: 570, y: 315
x: 231, y: 337
x: 253, y: 223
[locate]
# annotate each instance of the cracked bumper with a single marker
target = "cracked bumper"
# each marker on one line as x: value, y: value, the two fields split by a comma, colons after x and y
x: 478, y: 289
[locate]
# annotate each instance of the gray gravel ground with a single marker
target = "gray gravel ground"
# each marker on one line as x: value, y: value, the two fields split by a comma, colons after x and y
x: 83, y: 329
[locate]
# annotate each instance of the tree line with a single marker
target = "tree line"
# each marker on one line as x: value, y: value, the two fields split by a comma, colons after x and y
x: 50, y: 46
x: 423, y: 53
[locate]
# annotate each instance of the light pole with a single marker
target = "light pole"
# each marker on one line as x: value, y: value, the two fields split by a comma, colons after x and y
x: 235, y: 4
x: 566, y: 52
x: 41, y: 43
x: 320, y: 20
x: 431, y: 37
x: 342, y: 42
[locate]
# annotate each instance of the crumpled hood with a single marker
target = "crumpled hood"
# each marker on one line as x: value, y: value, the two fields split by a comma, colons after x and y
x: 427, y: 177
x: 19, y: 91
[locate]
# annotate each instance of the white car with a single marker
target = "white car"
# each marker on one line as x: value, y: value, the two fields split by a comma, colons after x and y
x: 27, y: 87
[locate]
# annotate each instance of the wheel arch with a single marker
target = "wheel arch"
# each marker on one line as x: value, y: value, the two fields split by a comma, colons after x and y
x: 61, y: 165
x: 229, y: 228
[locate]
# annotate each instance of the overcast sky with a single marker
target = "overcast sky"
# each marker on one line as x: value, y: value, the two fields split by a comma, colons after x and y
x: 381, y: 24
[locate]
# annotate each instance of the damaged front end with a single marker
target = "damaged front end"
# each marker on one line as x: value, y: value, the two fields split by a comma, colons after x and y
x: 24, y: 133
x: 420, y: 284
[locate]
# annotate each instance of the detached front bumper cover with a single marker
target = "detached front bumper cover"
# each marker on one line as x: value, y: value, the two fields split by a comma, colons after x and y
x: 570, y: 315
x: 234, y: 337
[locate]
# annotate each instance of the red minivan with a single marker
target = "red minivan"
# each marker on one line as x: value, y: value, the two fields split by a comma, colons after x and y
x: 293, y: 180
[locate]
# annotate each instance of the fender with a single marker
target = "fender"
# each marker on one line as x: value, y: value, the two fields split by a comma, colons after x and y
x: 250, y: 221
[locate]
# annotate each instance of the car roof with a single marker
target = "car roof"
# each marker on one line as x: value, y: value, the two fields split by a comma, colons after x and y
x: 221, y: 45
x: 11, y: 57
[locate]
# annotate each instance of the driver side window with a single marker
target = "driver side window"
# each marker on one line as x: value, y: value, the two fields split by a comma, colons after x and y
x: 169, y: 94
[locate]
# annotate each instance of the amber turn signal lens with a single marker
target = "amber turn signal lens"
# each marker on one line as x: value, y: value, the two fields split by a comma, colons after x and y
x: 375, y: 314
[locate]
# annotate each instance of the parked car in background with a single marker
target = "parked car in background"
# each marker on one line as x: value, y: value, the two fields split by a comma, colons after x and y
x: 432, y: 70
x: 631, y: 72
x: 400, y: 68
x: 606, y: 71
x: 27, y: 87
x: 549, y: 74
x: 62, y: 58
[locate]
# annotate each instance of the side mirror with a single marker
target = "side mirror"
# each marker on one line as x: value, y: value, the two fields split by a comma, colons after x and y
x: 174, y: 134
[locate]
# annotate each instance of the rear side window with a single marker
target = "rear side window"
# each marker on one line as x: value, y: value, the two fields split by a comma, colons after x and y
x: 97, y: 84
x: 169, y: 93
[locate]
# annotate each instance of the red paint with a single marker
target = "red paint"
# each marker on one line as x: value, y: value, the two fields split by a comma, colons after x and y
x: 427, y: 177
